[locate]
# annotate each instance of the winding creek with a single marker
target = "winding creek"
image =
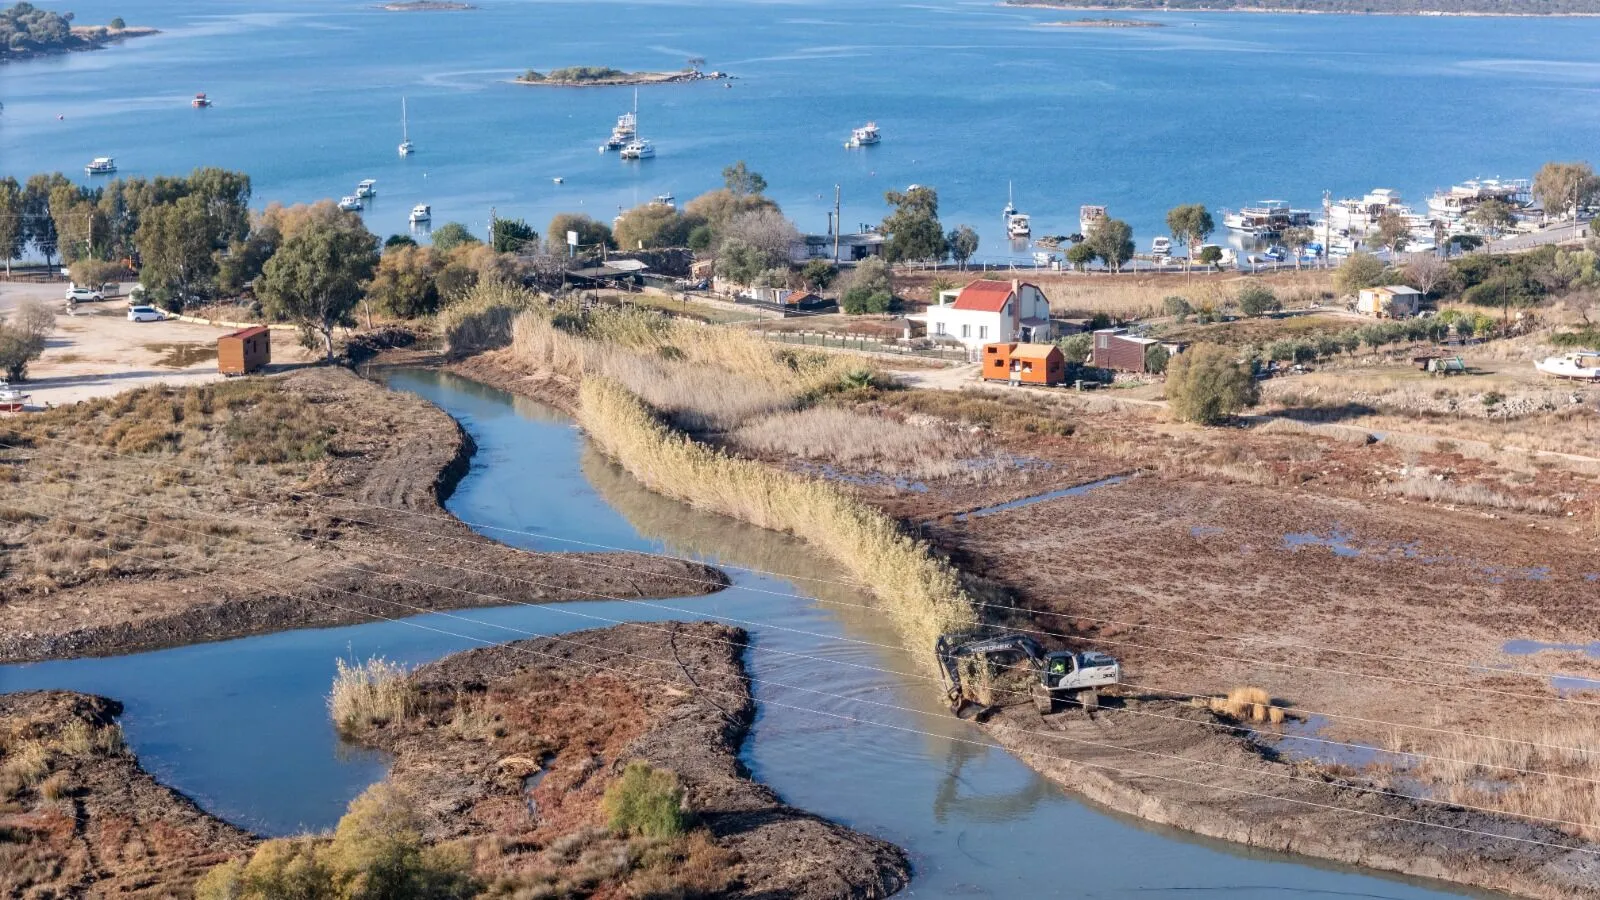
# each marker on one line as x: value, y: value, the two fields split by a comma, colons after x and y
x: 241, y: 726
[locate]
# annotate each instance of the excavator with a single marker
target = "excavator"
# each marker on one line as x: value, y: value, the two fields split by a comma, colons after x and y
x: 1061, y: 674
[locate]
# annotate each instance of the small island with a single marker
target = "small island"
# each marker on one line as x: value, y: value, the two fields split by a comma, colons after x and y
x: 600, y: 76
x: 424, y: 5
x: 27, y: 31
x: 1103, y: 23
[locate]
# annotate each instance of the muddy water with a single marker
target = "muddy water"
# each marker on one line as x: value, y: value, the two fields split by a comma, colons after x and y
x: 240, y: 725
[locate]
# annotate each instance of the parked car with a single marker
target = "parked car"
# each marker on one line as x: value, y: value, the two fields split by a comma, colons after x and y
x: 84, y: 295
x: 144, y: 314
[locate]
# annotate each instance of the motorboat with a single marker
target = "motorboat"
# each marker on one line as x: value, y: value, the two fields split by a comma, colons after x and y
x: 1267, y: 218
x: 626, y: 129
x: 1161, y: 246
x: 200, y: 101
x: 639, y: 149
x: 406, y: 147
x: 1580, y: 365
x: 368, y: 187
x: 350, y: 203
x: 1018, y: 225
x: 1454, y: 205
x: 1353, y: 216
x: 101, y: 165
x: 667, y: 200
x: 865, y: 136
x: 558, y: 179
x: 1089, y: 217
x: 11, y: 399
x: 420, y: 213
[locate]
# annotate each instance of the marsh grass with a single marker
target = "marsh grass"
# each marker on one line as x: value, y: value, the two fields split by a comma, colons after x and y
x: 369, y: 694
x: 1248, y: 704
x: 1432, y: 490
x: 887, y: 445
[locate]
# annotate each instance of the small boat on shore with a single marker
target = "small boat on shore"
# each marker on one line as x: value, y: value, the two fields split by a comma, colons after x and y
x: 1579, y: 365
x: 101, y: 165
x: 200, y: 101
x: 368, y: 187
x: 865, y: 136
x: 421, y: 213
x: 11, y: 399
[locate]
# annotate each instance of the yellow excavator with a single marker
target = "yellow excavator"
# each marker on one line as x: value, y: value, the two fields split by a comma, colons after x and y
x: 1062, y: 675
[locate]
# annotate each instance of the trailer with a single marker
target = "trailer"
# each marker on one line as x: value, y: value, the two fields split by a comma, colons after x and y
x: 244, y: 351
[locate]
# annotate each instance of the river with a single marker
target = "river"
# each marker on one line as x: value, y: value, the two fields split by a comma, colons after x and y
x: 1222, y: 109
x: 241, y: 725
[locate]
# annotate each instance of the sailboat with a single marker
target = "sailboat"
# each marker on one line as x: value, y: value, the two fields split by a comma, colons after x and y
x: 1017, y: 223
x: 638, y: 148
x: 405, y: 137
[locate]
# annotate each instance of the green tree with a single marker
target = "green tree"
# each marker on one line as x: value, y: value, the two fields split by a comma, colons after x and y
x: 591, y: 232
x: 399, y: 240
x: 1493, y: 217
x: 652, y: 226
x: 1075, y: 348
x: 1392, y: 232
x: 513, y: 236
x: 715, y: 209
x: 225, y: 196
x: 1156, y: 358
x: 1210, y: 255
x: 1080, y: 255
x: 963, y: 241
x: 403, y: 283
x: 39, y: 228
x: 451, y: 235
x: 1564, y: 187
x: 1297, y: 239
x: 819, y: 273
x: 912, y: 228
x: 1206, y: 384
x: 22, y: 337
x: 869, y: 288
x: 175, y: 245
x: 1359, y: 270
x: 739, y: 179
x: 701, y: 237
x: 316, y: 277
x: 1190, y: 225
x: 240, y: 265
x: 117, y: 24
x: 1112, y: 242
x: 739, y: 262
x: 11, y: 229
x: 1256, y: 299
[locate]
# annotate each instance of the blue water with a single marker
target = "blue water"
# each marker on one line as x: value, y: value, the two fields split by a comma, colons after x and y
x: 240, y: 725
x: 1218, y: 108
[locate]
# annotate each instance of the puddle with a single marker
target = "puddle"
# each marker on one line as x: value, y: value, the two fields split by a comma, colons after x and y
x: 1205, y: 531
x: 1041, y: 498
x: 182, y: 356
x: 531, y: 781
x: 1563, y: 684
x: 1337, y: 540
x: 1303, y: 739
x: 1343, y: 542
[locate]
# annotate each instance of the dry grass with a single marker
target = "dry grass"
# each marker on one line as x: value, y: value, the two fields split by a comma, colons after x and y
x: 1480, y: 772
x: 922, y: 594
x: 1248, y: 704
x: 1436, y: 491
x: 483, y: 317
x: 922, y: 448
x: 369, y: 694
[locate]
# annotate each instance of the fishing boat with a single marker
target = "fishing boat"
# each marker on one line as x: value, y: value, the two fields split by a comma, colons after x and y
x: 1018, y: 224
x: 200, y: 101
x: 406, y: 147
x: 350, y: 203
x: 420, y: 213
x: 101, y: 165
x: 865, y: 136
x: 1089, y: 217
x: 1454, y: 204
x: 667, y: 200
x: 1354, y: 216
x: 11, y: 399
x: 1579, y: 365
x: 368, y: 187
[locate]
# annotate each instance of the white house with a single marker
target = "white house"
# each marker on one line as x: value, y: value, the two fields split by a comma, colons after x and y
x: 985, y: 312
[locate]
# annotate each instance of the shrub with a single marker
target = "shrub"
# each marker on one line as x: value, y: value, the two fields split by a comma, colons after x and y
x: 646, y: 802
x: 1207, y: 384
x: 1178, y: 307
x: 1156, y: 358
x: 1360, y: 270
x: 483, y: 318
x: 371, y: 693
x: 1248, y: 704
x: 1075, y: 348
x: 1257, y: 299
x: 117, y: 24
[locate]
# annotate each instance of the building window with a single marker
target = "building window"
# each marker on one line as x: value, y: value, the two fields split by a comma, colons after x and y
x: 938, y: 328
x: 966, y: 331
x: 983, y: 332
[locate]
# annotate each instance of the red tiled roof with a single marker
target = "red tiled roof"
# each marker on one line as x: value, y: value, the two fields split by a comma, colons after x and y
x: 250, y: 332
x: 984, y: 296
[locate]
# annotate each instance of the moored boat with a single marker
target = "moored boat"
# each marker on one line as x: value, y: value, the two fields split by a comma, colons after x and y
x: 1018, y: 224
x: 200, y: 101
x: 350, y: 203
x: 865, y: 136
x: 101, y: 165
x: 1088, y: 217
x: 420, y: 213
x: 368, y: 187
x: 406, y: 147
x: 11, y: 399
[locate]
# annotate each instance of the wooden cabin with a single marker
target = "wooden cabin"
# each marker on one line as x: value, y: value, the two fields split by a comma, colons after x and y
x: 1024, y: 363
x: 244, y: 351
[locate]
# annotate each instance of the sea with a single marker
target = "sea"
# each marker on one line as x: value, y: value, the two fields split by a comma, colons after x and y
x: 977, y: 100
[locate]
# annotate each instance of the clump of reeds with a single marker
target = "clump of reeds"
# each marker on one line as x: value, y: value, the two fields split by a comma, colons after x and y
x: 1248, y: 704
x: 484, y: 316
x: 371, y: 693
x: 921, y: 593
x: 1471, y: 495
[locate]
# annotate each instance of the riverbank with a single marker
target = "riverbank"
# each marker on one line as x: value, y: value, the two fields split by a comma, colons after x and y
x: 1151, y: 754
x: 79, y: 816
x: 164, y: 517
x: 516, y: 746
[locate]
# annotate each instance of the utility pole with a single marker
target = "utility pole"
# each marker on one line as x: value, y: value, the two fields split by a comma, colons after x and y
x: 838, y: 224
x: 491, y: 227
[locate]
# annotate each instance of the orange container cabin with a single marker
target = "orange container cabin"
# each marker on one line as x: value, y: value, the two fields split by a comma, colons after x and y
x: 244, y: 351
x: 1024, y: 363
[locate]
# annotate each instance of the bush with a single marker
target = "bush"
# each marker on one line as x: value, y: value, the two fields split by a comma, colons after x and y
x: 819, y: 273
x: 868, y: 289
x: 371, y: 693
x: 1360, y: 270
x: 92, y: 273
x: 1178, y: 307
x: 483, y: 317
x: 1206, y: 385
x: 1075, y: 348
x: 1156, y: 358
x: 117, y: 24
x: 646, y: 802
x: 1257, y: 299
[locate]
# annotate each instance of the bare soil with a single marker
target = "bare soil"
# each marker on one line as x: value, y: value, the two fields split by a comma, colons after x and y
x: 515, y: 745
x: 93, y: 823
x: 189, y: 537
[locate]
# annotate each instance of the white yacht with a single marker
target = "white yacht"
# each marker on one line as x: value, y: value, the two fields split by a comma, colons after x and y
x: 1581, y: 365
x: 639, y: 149
x: 101, y: 165
x: 406, y: 147
x: 1089, y: 217
x: 1018, y: 225
x: 350, y: 203
x: 420, y: 213
x: 865, y: 136
x: 1454, y: 204
x: 626, y: 129
x: 1358, y: 216
x: 368, y: 187
x: 667, y: 200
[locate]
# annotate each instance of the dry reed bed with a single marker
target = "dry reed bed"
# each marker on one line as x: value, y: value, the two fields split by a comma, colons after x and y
x: 920, y: 448
x: 922, y: 594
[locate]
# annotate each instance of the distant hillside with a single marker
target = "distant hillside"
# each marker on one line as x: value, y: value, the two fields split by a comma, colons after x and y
x: 1375, y: 7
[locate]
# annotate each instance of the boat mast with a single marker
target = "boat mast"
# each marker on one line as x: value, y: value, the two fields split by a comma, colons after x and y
x: 403, y: 135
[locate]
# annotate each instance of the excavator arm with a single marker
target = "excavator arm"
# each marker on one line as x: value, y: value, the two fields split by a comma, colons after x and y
x: 952, y: 648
